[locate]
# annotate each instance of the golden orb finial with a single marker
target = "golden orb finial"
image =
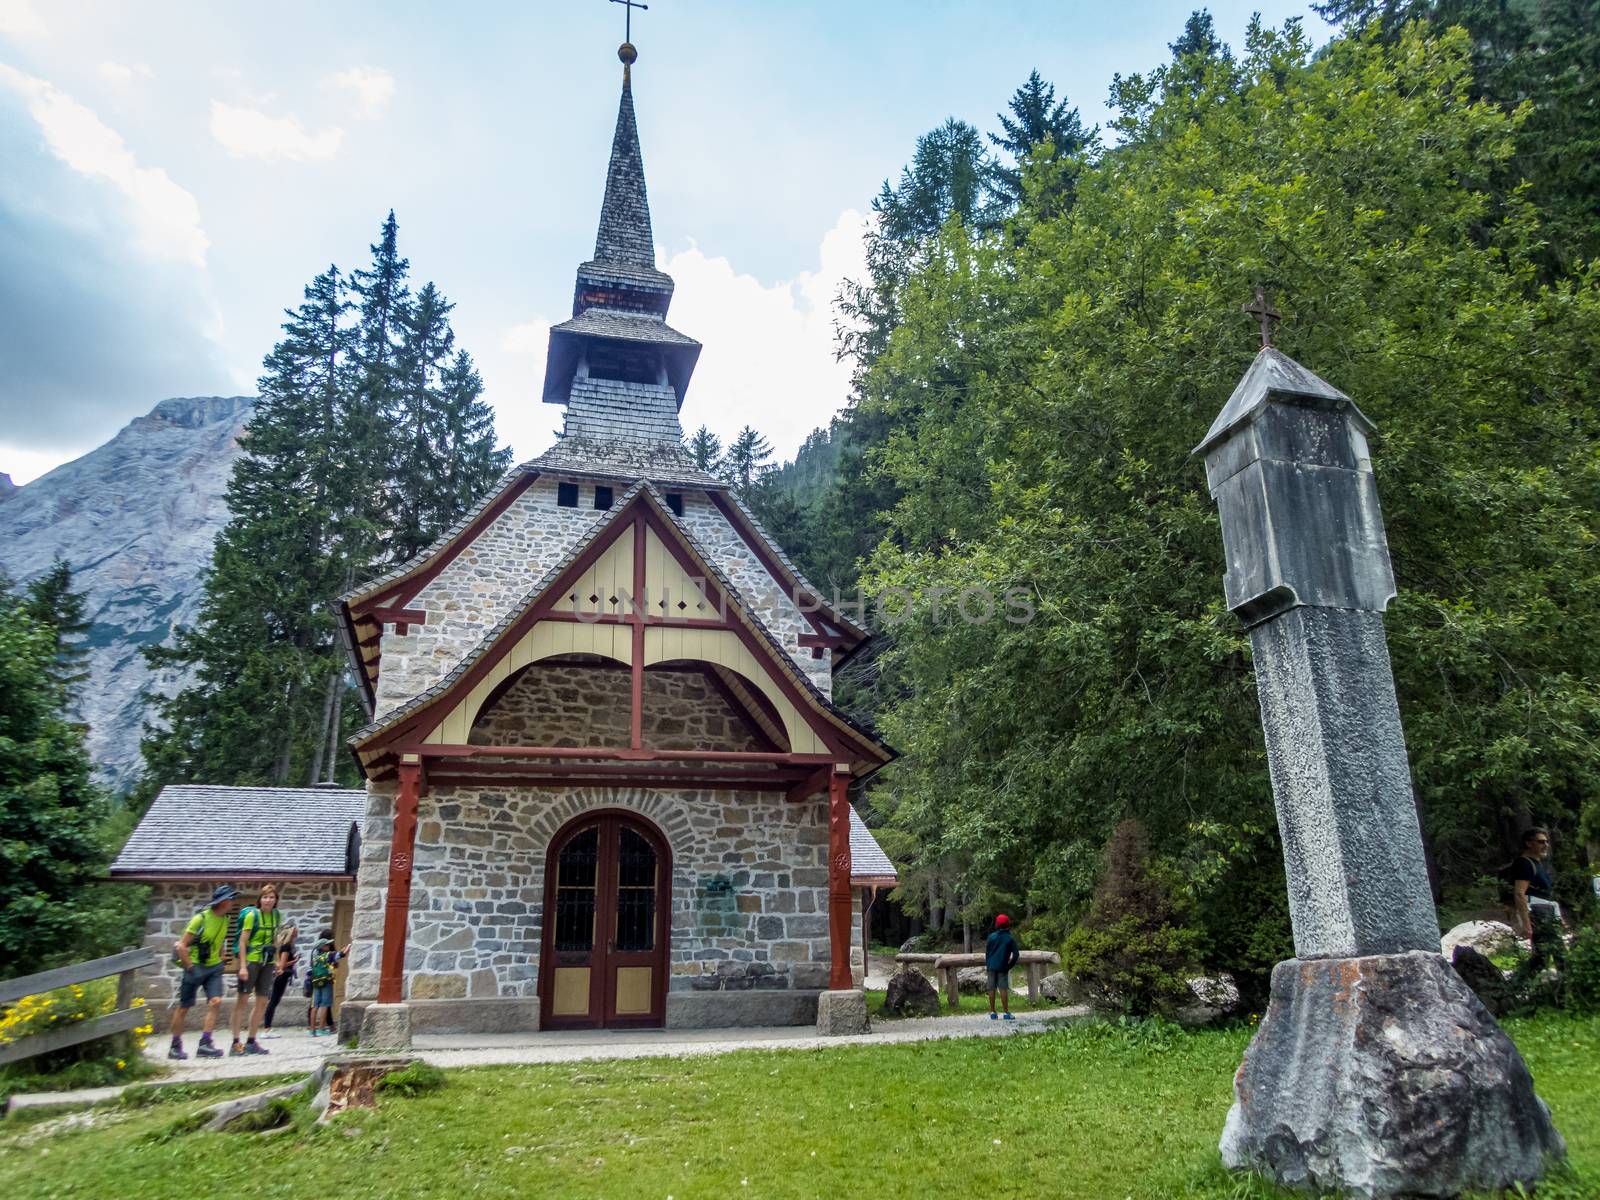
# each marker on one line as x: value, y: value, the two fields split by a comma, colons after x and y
x: 628, y: 54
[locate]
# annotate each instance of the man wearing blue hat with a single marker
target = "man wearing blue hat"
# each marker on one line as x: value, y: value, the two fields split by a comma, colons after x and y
x: 199, y: 953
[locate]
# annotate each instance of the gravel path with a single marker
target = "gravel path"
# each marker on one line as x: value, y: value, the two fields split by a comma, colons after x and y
x: 294, y: 1052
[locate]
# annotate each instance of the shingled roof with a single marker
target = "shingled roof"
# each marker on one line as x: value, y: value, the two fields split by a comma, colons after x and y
x: 624, y: 235
x: 240, y: 832
x: 868, y: 862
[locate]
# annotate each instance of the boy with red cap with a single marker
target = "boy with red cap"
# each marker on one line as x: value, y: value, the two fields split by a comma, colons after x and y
x: 1000, y: 954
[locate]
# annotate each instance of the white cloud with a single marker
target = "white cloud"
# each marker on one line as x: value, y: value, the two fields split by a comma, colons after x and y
x: 122, y: 74
x: 166, y: 215
x: 373, y: 88
x: 532, y: 337
x: 250, y: 133
x: 19, y: 17
x: 769, y: 350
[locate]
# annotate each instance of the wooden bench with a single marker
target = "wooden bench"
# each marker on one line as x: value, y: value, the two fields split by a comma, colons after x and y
x: 949, y: 965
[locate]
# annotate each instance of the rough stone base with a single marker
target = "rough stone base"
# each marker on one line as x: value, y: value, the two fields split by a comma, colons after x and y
x: 1385, y: 1076
x: 840, y: 1014
x: 503, y: 1015
x: 386, y: 1027
x: 731, y: 1010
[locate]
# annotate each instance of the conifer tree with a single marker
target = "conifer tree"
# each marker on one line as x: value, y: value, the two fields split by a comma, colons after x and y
x: 748, y: 460
x: 705, y: 448
x: 301, y: 525
x: 1036, y: 117
x: 51, y: 601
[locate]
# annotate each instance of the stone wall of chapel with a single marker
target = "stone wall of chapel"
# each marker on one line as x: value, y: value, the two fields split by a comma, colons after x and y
x: 478, y: 587
x: 308, y: 905
x: 749, y: 888
x: 768, y: 596
x: 592, y: 706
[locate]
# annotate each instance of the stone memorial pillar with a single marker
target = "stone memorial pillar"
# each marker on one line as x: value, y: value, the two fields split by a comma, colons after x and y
x: 1375, y: 1070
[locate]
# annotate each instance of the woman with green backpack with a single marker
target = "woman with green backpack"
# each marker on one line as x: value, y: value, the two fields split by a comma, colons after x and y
x: 261, y: 960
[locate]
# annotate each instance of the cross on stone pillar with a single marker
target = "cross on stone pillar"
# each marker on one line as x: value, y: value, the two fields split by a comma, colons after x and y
x: 1371, y: 1044
x: 1261, y: 309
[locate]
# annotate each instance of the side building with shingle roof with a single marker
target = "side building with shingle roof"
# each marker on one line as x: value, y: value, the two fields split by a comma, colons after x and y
x: 194, y: 837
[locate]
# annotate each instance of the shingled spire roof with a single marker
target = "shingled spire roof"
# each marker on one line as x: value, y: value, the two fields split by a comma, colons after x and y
x: 617, y: 365
x: 624, y: 235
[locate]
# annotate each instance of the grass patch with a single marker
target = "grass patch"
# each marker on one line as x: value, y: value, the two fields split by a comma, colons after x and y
x: 1085, y: 1110
x: 416, y: 1080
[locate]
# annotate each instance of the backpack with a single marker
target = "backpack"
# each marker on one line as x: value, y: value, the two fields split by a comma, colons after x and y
x: 203, y: 953
x: 322, y: 966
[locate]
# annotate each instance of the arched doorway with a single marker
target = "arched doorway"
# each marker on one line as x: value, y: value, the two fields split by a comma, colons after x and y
x: 607, y: 924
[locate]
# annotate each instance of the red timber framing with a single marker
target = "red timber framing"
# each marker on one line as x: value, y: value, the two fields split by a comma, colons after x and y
x: 839, y: 979
x: 396, y: 909
x: 638, y: 764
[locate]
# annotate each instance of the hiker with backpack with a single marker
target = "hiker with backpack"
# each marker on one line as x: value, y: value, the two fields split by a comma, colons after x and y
x: 323, y: 960
x: 199, y: 953
x: 290, y: 957
x: 261, y: 961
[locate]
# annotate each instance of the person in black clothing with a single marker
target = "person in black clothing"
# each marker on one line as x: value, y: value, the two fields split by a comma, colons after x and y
x: 1534, y: 911
x: 286, y: 947
x: 1000, y: 954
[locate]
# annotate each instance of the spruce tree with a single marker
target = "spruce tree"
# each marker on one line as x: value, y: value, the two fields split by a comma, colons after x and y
x: 50, y: 600
x: 1036, y: 117
x: 748, y: 460
x: 300, y: 527
x: 705, y: 448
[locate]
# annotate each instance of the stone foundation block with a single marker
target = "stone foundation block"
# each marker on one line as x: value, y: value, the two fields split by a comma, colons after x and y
x: 840, y: 1014
x: 1384, y: 1076
x: 386, y: 1027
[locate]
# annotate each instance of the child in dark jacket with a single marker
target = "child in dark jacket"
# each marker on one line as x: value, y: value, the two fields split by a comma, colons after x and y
x: 1000, y: 954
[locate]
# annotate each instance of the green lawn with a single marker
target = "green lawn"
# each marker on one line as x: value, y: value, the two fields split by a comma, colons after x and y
x: 971, y: 1003
x: 1083, y: 1111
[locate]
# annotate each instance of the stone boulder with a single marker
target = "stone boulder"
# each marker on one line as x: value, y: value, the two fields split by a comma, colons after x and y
x: 975, y: 979
x: 1062, y: 988
x: 1215, y: 997
x: 1486, y: 937
x: 1485, y: 979
x: 910, y: 994
x: 1384, y: 1076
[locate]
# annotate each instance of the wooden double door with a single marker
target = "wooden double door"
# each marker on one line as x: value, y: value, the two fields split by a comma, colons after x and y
x: 607, y: 925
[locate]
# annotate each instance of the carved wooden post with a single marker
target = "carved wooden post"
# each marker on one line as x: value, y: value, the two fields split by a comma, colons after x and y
x: 839, y: 978
x: 392, y: 977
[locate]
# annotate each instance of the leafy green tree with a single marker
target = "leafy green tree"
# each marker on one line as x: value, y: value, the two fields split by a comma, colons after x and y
x: 1040, y: 395
x: 50, y: 811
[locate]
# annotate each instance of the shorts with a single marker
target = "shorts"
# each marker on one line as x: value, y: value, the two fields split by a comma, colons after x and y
x: 259, y: 979
x: 196, y: 978
x: 999, y: 981
x: 322, y: 996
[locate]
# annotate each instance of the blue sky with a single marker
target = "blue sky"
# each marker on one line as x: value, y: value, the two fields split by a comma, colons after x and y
x: 172, y: 174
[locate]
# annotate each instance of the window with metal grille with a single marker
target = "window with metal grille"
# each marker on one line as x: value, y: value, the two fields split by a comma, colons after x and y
x: 567, y: 495
x: 602, y: 497
x: 576, y: 872
x: 636, y: 892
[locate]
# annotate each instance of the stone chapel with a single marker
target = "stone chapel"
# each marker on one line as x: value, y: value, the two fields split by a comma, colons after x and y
x: 606, y: 783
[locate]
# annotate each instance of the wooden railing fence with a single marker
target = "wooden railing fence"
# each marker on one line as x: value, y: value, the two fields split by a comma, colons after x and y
x: 122, y: 1019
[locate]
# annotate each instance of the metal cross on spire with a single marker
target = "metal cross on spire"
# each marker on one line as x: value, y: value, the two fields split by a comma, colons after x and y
x: 627, y: 27
x: 1261, y: 309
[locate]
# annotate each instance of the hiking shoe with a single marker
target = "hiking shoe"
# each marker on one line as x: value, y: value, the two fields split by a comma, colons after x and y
x: 251, y: 1047
x: 994, y: 1016
x: 1007, y: 1017
x: 176, y: 1050
x: 236, y: 1050
x: 207, y: 1050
